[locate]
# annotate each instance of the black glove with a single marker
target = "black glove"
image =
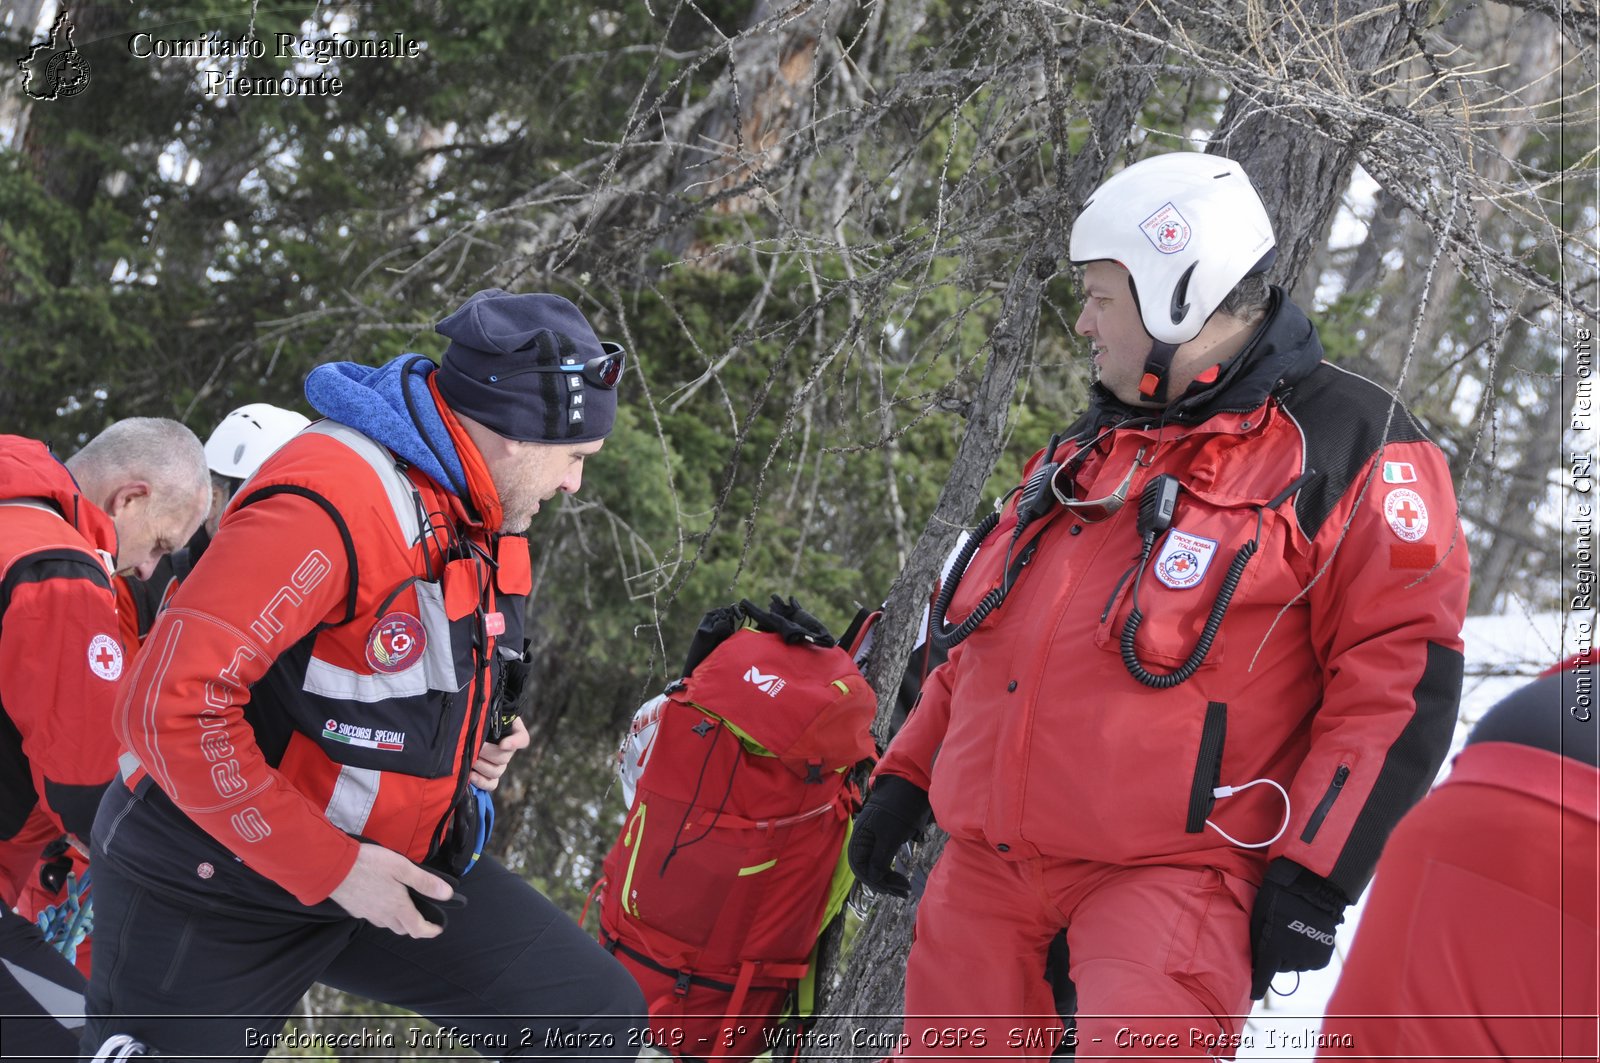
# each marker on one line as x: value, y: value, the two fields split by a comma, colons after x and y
x: 437, y: 912
x: 714, y: 628
x: 56, y: 863
x: 1292, y: 924
x: 789, y: 621
x: 894, y: 811
x: 508, y: 688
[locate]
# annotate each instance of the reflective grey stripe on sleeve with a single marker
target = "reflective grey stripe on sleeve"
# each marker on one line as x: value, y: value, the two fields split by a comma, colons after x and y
x: 402, y: 495
x: 437, y: 669
x: 332, y: 681
x: 60, y: 1003
x: 353, y: 797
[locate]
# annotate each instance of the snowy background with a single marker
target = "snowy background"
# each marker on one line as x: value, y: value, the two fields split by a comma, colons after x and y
x: 1503, y: 652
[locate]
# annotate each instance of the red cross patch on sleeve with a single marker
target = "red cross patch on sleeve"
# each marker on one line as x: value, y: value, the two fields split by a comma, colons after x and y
x: 1406, y: 513
x: 105, y: 658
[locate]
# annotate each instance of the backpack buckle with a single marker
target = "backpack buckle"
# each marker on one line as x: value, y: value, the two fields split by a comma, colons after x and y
x: 680, y: 988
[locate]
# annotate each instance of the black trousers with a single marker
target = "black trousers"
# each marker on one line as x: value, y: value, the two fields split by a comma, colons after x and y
x: 41, y: 994
x: 210, y: 963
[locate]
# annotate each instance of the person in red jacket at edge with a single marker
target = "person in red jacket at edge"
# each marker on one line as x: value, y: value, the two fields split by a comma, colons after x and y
x: 1180, y: 728
x: 119, y: 504
x: 234, y: 450
x: 312, y: 726
x: 1513, y: 834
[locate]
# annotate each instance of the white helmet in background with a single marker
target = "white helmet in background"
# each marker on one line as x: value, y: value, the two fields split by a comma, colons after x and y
x: 637, y: 745
x: 1187, y: 226
x: 247, y: 436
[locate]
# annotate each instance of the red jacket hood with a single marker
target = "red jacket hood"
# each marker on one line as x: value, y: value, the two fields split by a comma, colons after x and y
x: 29, y: 470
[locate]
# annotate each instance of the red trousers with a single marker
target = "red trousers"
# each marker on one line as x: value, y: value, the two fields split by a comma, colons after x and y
x: 1160, y: 956
x: 1480, y: 934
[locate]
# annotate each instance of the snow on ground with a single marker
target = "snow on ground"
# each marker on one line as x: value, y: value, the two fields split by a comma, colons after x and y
x: 1502, y: 653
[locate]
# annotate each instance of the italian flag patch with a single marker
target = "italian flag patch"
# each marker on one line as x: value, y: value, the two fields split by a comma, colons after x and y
x: 1399, y: 472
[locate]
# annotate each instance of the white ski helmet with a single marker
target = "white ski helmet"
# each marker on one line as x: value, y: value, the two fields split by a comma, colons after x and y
x: 247, y: 436
x: 1187, y: 226
x: 637, y: 745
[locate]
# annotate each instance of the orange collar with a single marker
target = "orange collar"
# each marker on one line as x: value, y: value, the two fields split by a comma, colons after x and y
x: 485, y: 497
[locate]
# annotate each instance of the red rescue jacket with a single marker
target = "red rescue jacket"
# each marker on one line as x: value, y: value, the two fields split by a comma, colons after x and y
x: 61, y: 661
x: 1482, y: 936
x: 1335, y: 672
x: 325, y: 672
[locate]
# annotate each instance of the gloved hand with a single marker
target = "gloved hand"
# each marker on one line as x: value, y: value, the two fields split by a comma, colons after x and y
x: 894, y: 811
x: 55, y: 863
x: 1292, y: 924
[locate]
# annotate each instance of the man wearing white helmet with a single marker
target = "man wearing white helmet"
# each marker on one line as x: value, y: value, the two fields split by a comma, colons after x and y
x: 241, y: 442
x: 1181, y: 728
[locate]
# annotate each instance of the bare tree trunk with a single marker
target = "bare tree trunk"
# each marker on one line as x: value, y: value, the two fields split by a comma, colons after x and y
x: 1530, y: 49
x: 772, y: 70
x: 20, y: 19
x: 869, y: 993
x: 1526, y: 485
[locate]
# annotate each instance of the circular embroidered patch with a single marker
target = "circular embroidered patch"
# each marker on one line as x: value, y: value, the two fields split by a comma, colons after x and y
x: 396, y: 643
x: 1179, y: 569
x: 105, y: 657
x: 205, y: 870
x: 1406, y: 513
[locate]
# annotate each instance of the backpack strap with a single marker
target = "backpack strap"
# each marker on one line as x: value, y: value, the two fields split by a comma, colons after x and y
x: 787, y: 972
x: 686, y: 977
x: 402, y: 494
x: 857, y: 638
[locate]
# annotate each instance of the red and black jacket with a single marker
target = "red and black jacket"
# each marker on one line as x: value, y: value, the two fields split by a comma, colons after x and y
x: 61, y: 661
x: 326, y: 672
x: 1335, y: 673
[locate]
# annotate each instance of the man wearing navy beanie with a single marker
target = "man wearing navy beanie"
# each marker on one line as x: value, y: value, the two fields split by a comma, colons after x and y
x: 307, y: 771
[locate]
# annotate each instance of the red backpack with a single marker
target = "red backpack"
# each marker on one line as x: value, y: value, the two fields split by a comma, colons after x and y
x: 731, y: 860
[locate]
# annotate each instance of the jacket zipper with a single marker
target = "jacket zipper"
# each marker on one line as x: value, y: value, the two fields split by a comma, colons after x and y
x: 1325, y: 806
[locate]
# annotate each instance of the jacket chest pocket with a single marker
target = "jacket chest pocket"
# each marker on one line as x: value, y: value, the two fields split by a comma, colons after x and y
x: 406, y: 711
x: 1171, y: 611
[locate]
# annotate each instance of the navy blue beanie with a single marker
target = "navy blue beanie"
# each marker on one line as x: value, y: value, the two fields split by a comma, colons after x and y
x: 496, y: 338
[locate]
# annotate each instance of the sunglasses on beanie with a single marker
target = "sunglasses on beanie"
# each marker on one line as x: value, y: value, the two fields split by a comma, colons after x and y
x: 603, y: 370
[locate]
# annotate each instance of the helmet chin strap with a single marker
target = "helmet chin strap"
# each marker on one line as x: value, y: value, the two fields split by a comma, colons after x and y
x: 1157, y: 371
x: 1158, y: 363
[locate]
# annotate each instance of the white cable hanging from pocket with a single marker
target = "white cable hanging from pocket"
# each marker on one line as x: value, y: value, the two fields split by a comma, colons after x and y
x: 1228, y: 791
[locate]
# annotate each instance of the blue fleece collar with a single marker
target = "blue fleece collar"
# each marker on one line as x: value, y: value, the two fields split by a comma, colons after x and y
x: 392, y: 404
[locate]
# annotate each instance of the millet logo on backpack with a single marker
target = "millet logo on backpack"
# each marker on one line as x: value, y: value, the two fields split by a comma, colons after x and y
x: 1311, y: 932
x: 767, y: 684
